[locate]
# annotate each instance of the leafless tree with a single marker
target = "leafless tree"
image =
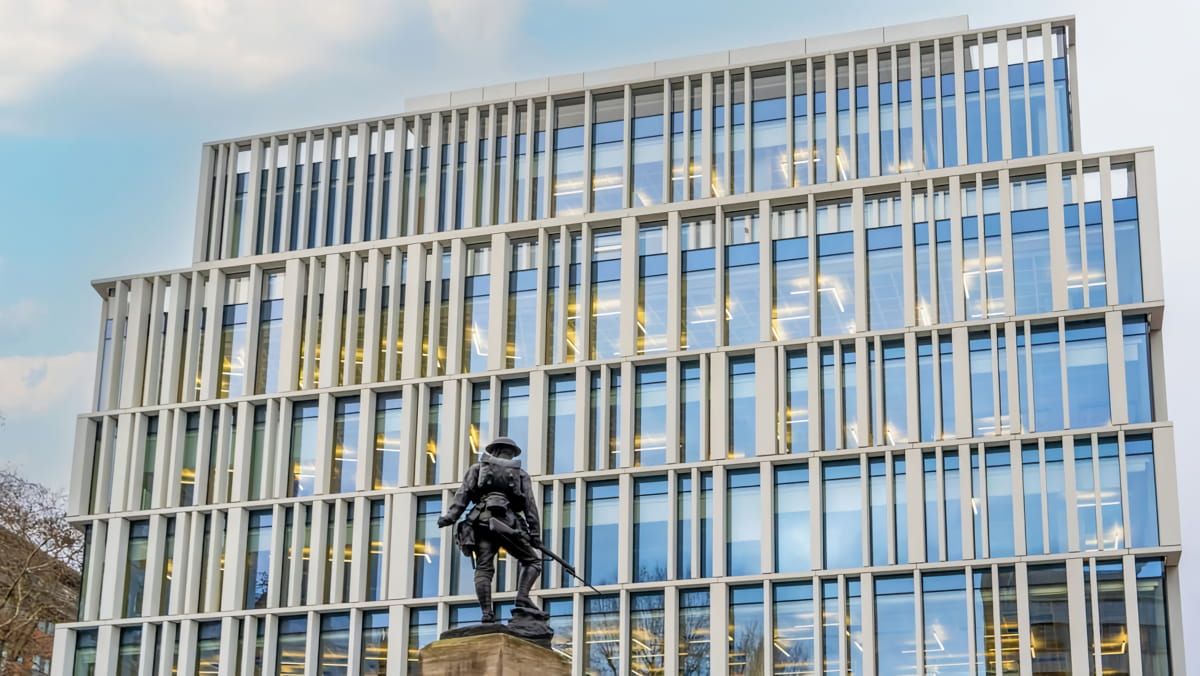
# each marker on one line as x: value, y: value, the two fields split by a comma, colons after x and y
x: 39, y: 569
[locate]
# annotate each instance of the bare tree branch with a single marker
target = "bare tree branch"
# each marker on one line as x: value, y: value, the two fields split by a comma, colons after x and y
x: 39, y: 569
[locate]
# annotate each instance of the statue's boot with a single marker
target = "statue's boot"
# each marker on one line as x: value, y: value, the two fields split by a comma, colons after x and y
x: 529, y: 575
x: 483, y: 591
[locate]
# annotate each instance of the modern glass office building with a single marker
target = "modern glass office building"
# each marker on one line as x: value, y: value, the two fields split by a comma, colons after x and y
x: 837, y: 356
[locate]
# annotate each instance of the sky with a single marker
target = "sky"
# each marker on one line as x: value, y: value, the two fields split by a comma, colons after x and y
x: 104, y: 106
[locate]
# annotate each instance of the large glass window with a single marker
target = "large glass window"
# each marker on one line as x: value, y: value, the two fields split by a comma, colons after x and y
x: 1142, y: 494
x: 135, y: 568
x: 769, y: 149
x: 427, y: 547
x: 1087, y: 374
x: 653, y: 287
x: 679, y: 150
x: 568, y: 157
x: 646, y: 632
x: 561, y: 424
x: 374, y: 653
x: 149, y: 451
x: 791, y: 310
x: 1037, y: 93
x: 476, y: 325
x: 741, y: 278
x: 602, y: 634
x: 1107, y: 629
x: 720, y: 140
x: 929, y: 108
x: 85, y: 652
x: 1098, y: 494
x: 895, y: 638
x: 801, y: 132
x: 422, y: 630
x: 742, y: 408
x: 946, y: 635
x: 650, y: 416
x: 388, y: 456
x: 797, y: 413
x: 691, y: 396
x: 208, y: 648
x: 693, y: 631
x: 746, y: 630
x: 926, y: 310
x: 794, y: 628
x: 926, y: 396
x: 270, y: 333
x: 878, y: 496
x: 991, y: 98
x: 333, y: 647
x: 168, y: 567
x: 303, y: 452
x: 885, y: 262
x: 998, y: 468
x: 895, y: 394
x: 842, y: 526
x: 258, y: 559
x: 835, y: 269
x: 647, y: 162
x: 792, y: 519
x: 608, y: 152
x: 887, y: 115
x: 820, y: 148
x: 292, y: 644
x: 699, y: 293
x: 1138, y: 376
x: 375, y: 548
x: 737, y: 133
x: 862, y: 122
x: 854, y: 437
x: 949, y: 120
x: 234, y: 338
x: 601, y: 539
x: 514, y: 415
x: 904, y: 97
x: 651, y: 509
x: 432, y: 466
x: 971, y: 98
x: 1018, y: 128
x: 743, y: 523
x: 1031, y: 246
x: 605, y: 312
x: 1047, y: 377
x: 843, y: 154
x: 343, y: 470
x: 983, y: 406
x: 129, y: 651
x: 1152, y: 616
x: 561, y: 620
x: 1128, y: 243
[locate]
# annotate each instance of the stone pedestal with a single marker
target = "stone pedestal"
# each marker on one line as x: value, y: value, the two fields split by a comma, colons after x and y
x: 491, y: 654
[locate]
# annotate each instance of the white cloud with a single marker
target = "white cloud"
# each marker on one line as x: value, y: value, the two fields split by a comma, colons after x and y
x: 472, y: 22
x: 239, y: 43
x: 31, y: 386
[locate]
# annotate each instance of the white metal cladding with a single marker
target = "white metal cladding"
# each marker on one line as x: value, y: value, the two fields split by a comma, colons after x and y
x: 339, y: 335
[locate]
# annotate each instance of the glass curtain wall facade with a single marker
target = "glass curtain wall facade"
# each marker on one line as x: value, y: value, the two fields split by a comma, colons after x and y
x: 833, y: 361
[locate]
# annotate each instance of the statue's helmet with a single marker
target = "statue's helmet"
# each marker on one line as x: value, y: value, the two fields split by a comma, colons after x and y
x: 503, y: 442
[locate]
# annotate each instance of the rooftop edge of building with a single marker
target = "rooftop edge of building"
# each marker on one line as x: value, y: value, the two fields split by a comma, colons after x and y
x: 743, y: 56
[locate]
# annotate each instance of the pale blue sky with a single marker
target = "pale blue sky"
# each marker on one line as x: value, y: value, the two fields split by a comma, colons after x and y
x: 104, y: 106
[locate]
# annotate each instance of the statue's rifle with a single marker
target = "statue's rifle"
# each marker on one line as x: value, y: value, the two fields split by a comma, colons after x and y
x: 504, y: 529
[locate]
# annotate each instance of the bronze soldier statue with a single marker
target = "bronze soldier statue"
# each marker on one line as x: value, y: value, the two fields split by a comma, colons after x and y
x: 504, y: 514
